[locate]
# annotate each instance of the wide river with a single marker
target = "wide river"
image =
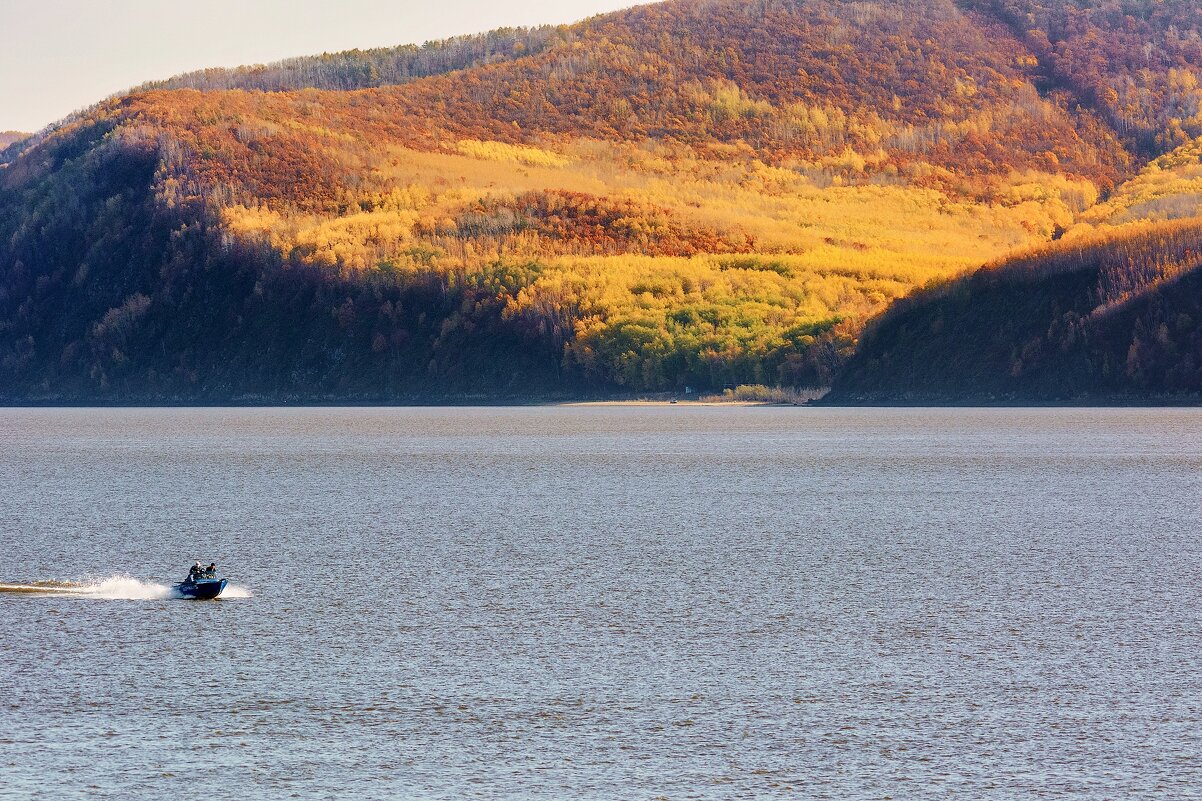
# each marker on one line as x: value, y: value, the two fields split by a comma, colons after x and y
x: 602, y: 603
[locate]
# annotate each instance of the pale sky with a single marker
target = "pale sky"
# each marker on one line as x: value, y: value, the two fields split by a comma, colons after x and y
x: 57, y: 56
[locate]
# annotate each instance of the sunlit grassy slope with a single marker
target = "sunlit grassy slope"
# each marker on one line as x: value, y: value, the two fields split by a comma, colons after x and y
x: 728, y: 259
x: 1168, y: 188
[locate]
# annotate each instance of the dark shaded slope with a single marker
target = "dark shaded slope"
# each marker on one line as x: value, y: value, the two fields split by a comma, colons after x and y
x: 108, y: 295
x: 1113, y: 319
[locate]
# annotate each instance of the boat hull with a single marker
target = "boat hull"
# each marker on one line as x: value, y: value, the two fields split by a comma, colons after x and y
x: 201, y: 590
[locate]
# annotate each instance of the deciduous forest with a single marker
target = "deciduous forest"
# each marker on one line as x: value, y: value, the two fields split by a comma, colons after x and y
x: 690, y: 193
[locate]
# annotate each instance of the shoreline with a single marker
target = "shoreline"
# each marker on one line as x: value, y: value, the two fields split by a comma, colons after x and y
x: 647, y: 402
x: 802, y: 400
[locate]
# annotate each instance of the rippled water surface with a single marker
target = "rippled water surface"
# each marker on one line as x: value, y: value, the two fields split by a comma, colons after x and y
x: 603, y: 603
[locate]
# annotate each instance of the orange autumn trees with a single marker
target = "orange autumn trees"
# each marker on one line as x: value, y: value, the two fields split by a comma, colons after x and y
x: 1136, y: 61
x: 915, y: 92
x: 581, y: 224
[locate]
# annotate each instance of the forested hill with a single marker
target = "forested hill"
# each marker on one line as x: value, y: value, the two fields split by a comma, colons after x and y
x: 695, y: 192
x: 1114, y: 318
x: 364, y: 69
x: 11, y: 137
x: 1113, y: 312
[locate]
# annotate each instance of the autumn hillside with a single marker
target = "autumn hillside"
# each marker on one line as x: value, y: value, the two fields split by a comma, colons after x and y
x: 691, y: 193
x: 11, y: 137
x: 1111, y: 312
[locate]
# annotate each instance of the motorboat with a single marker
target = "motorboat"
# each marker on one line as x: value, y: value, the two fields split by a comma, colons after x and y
x: 202, y: 583
x: 202, y: 589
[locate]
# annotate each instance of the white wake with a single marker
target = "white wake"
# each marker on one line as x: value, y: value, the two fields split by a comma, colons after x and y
x: 125, y: 588
x: 112, y: 588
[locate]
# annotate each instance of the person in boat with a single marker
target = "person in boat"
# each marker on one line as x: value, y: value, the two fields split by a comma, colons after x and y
x: 211, y: 570
x: 195, y: 572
